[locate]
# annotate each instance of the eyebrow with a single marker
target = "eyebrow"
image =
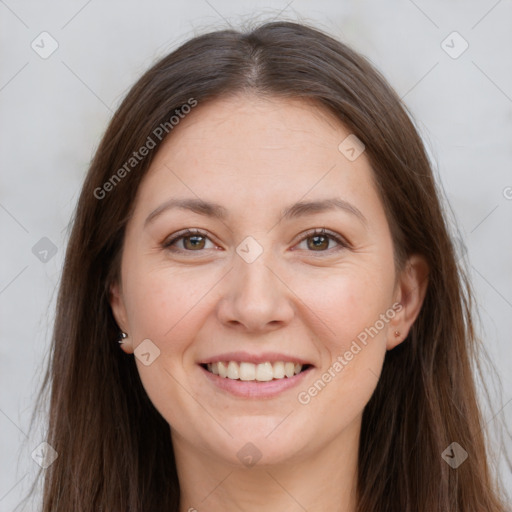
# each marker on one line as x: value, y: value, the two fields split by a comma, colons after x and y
x: 217, y: 211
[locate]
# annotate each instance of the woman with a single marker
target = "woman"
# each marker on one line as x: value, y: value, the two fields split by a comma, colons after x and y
x: 261, y: 231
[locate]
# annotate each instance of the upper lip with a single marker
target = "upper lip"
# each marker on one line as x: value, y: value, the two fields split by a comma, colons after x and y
x: 264, y: 357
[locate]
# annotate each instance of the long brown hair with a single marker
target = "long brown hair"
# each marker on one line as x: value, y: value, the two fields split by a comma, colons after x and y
x: 115, y: 451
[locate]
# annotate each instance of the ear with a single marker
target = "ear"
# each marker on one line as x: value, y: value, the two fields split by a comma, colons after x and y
x: 119, y: 311
x: 410, y: 292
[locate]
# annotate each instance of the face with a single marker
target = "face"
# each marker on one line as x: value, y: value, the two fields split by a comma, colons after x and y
x: 257, y: 283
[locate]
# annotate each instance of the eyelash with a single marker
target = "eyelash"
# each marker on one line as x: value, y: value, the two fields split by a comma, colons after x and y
x: 309, y: 234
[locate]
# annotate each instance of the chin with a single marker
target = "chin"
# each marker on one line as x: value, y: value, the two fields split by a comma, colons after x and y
x: 265, y: 448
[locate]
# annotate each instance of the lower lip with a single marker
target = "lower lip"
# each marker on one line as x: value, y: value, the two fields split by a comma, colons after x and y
x: 255, y: 389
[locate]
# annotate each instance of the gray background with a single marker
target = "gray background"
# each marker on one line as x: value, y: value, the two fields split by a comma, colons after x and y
x: 53, y: 112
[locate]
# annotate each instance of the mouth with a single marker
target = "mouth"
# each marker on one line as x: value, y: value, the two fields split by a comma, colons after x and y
x: 265, y: 375
x: 251, y: 372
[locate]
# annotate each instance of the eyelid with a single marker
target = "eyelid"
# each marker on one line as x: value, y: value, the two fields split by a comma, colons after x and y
x: 341, y: 241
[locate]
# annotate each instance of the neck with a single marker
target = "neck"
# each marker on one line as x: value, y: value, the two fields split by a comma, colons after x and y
x: 324, y: 480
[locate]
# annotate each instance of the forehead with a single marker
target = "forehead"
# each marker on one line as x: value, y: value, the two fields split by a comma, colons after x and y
x: 245, y: 150
x: 246, y: 123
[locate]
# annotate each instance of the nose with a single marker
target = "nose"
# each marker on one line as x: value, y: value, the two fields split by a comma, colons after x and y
x: 255, y: 298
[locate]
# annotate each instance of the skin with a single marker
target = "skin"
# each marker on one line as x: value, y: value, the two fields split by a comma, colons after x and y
x: 255, y: 156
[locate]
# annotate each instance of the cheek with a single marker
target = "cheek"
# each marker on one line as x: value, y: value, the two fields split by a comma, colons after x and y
x: 165, y: 307
x: 352, y: 336
x: 163, y: 302
x: 345, y: 303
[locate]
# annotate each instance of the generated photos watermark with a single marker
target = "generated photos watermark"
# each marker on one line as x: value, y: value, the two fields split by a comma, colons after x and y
x: 158, y: 134
x: 305, y: 397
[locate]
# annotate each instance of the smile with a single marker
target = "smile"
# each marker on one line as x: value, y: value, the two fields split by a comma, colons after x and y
x: 262, y: 372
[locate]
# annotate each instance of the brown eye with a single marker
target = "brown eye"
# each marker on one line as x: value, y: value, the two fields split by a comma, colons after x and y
x: 195, y: 242
x: 187, y: 241
x: 318, y: 240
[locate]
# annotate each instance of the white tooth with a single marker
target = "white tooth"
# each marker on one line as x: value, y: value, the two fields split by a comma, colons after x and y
x: 247, y: 371
x: 233, y: 370
x: 223, y: 369
x: 264, y: 372
x: 289, y: 369
x: 278, y: 370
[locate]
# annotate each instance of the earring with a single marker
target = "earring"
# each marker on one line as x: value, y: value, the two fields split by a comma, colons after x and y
x: 397, y: 333
x: 122, y: 337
